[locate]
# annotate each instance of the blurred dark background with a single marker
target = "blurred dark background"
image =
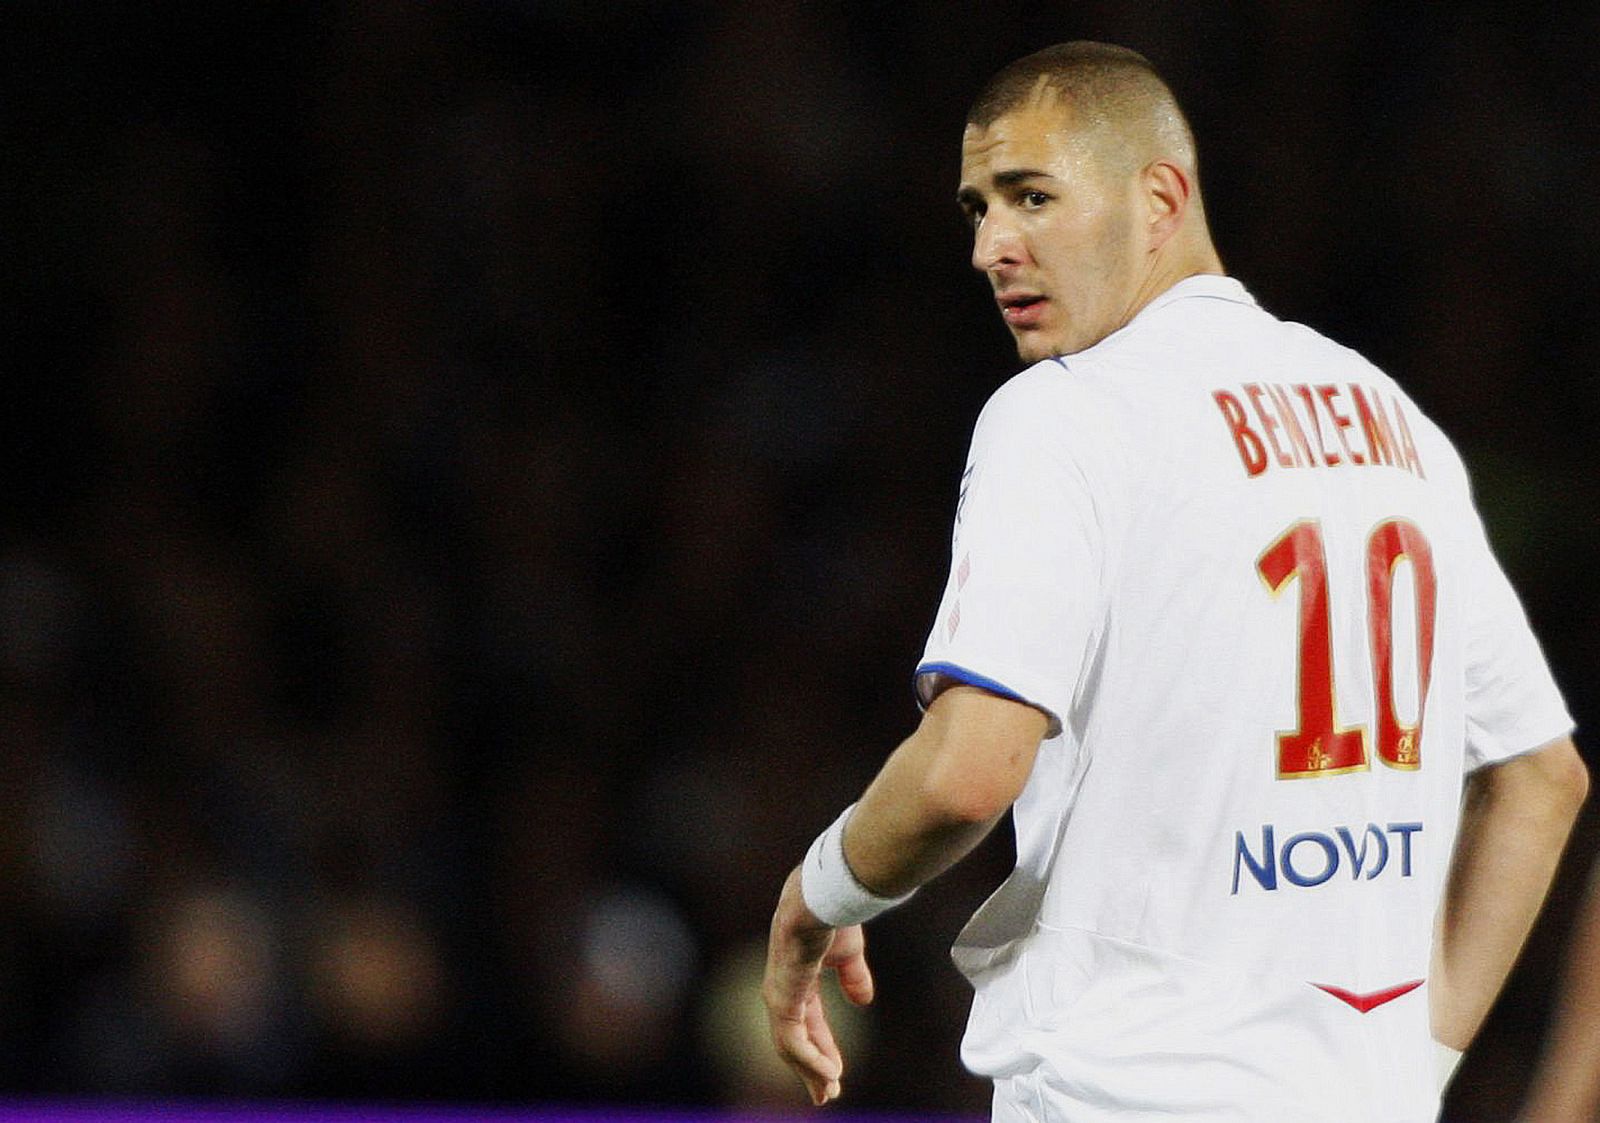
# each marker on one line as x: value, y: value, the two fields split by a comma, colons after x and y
x: 477, y: 479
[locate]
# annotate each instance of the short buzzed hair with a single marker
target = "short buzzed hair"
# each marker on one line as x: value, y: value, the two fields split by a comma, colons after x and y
x: 1113, y: 92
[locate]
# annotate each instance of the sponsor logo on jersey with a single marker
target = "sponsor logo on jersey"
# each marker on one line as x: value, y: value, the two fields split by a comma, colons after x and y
x: 1307, y: 859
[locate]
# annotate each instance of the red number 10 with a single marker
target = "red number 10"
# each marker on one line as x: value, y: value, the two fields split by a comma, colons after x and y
x: 1318, y: 746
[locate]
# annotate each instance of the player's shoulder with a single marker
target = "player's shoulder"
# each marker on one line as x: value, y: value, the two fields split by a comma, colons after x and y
x: 1049, y: 397
x: 1058, y: 426
x: 1046, y: 384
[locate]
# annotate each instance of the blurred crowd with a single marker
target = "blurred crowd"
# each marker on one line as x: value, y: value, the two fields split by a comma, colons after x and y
x: 477, y: 479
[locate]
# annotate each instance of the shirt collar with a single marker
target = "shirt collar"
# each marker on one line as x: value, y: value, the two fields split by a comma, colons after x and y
x: 1201, y: 284
x: 1210, y: 285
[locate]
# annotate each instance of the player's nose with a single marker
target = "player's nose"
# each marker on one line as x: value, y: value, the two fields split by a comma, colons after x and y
x: 996, y: 243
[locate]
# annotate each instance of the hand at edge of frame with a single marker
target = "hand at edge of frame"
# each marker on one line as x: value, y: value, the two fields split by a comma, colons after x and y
x: 799, y: 947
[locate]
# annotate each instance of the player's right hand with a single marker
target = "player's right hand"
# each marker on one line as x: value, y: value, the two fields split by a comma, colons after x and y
x: 799, y: 946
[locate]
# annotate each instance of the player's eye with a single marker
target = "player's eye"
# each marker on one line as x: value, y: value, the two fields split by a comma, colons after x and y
x: 1033, y: 200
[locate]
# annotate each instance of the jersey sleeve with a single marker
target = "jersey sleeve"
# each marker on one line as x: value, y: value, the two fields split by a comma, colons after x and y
x: 1023, y: 595
x: 1512, y: 702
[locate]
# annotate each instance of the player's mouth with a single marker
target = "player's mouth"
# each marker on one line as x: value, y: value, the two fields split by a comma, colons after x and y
x: 1021, y: 309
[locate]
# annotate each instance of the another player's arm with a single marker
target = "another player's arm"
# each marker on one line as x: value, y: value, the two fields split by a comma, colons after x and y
x: 1566, y: 1085
x: 1515, y: 821
x: 935, y: 798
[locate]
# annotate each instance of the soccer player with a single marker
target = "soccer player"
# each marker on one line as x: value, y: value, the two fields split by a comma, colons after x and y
x: 1290, y: 777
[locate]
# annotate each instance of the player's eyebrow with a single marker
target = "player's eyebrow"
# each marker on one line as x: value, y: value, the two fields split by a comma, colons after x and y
x: 969, y: 197
x: 1013, y: 176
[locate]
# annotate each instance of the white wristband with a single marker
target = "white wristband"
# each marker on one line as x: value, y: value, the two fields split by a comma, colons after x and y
x: 830, y: 890
x: 1445, y: 1060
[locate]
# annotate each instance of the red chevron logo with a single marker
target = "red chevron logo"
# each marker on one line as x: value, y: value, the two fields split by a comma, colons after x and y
x: 1364, y: 1003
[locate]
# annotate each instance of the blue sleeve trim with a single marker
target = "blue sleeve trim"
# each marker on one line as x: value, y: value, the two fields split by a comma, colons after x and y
x: 961, y: 674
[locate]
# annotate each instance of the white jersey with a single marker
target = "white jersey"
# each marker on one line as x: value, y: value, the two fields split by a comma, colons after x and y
x: 1243, y: 574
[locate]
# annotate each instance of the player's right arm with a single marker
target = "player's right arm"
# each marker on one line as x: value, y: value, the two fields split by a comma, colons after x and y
x: 935, y: 798
x: 1514, y: 825
x: 943, y: 789
x: 1001, y: 664
x: 1566, y: 1085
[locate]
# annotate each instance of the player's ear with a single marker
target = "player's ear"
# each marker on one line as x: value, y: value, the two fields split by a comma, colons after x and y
x: 1167, y: 190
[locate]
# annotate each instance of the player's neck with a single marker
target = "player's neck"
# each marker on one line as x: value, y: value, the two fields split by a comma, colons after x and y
x: 1174, y: 263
